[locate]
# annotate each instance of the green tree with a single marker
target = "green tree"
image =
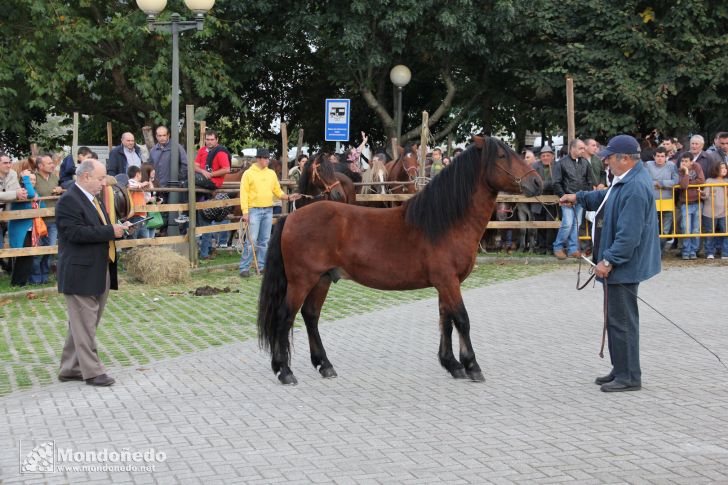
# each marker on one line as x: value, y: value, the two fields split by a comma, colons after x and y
x: 637, y: 65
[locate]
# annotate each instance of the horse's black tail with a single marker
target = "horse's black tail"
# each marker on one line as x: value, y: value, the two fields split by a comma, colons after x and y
x: 272, y: 310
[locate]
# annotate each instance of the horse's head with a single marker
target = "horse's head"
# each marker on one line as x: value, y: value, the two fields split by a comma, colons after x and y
x: 505, y: 169
x: 410, y: 165
x: 319, y: 178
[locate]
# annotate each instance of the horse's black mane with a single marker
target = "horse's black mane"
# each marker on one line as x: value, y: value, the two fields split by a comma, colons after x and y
x: 326, y: 170
x: 448, y: 196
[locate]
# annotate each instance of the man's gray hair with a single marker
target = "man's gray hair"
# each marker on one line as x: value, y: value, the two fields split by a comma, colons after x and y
x: 573, y: 143
x: 636, y: 157
x: 698, y: 138
x: 87, y: 166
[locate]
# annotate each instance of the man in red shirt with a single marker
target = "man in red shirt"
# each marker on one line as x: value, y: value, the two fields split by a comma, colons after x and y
x: 212, y: 162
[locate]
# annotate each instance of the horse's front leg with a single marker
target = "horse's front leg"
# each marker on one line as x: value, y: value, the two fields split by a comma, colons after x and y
x: 447, y: 359
x: 453, y: 310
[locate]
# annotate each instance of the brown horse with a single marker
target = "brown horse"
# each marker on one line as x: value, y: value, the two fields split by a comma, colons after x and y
x: 404, y: 169
x: 319, y: 181
x: 445, y: 219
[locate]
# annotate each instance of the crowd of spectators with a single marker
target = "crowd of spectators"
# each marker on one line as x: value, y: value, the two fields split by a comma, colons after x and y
x: 36, y: 182
x: 691, y: 192
x: 678, y: 170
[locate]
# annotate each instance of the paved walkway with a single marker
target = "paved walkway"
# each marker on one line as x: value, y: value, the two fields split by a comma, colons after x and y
x: 394, y: 416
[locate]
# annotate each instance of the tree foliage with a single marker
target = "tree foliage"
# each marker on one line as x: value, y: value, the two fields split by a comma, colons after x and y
x: 496, y: 66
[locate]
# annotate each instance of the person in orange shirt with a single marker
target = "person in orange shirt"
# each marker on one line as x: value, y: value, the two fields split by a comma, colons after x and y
x: 139, y: 198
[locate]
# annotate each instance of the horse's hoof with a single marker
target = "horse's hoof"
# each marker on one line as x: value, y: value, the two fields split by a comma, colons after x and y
x: 476, y: 376
x: 287, y: 379
x: 459, y: 373
x: 327, y: 372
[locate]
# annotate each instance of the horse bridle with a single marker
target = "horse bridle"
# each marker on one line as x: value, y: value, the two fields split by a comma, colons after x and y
x: 517, y: 180
x: 407, y: 169
x: 316, y: 175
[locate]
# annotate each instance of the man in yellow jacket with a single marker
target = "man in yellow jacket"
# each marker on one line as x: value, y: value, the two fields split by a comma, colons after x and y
x: 257, y: 188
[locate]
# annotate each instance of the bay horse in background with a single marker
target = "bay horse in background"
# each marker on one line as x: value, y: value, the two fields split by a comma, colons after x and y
x: 319, y: 181
x: 445, y: 219
x: 404, y: 169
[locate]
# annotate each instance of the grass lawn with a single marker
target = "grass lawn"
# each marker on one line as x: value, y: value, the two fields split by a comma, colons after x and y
x: 142, y: 324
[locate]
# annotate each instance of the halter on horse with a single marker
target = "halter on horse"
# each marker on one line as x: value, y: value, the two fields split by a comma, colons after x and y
x: 319, y: 181
x: 404, y: 169
x: 445, y: 219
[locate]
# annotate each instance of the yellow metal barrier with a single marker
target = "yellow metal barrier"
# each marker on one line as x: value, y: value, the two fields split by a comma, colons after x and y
x: 711, y: 193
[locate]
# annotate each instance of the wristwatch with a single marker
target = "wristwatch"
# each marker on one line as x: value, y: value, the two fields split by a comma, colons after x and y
x: 606, y: 263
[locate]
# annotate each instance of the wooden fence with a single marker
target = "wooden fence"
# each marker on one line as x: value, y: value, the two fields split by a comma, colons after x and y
x: 189, y: 238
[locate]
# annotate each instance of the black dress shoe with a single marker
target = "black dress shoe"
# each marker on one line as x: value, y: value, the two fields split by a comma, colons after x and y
x: 100, y: 381
x: 69, y: 378
x: 604, y: 379
x: 615, y: 386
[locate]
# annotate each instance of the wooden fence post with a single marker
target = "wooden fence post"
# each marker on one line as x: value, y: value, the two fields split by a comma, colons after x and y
x: 191, y: 200
x: 570, y: 108
x: 109, y: 135
x: 284, y: 151
x: 74, y: 139
x: 424, y: 135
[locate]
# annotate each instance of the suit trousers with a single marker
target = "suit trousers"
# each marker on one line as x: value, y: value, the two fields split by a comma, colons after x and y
x: 623, y: 330
x: 80, y: 356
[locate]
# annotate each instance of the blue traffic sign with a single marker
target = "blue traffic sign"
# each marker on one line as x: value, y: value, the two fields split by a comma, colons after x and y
x: 337, y: 119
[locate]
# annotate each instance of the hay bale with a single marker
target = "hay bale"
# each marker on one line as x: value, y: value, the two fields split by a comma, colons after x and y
x: 156, y: 266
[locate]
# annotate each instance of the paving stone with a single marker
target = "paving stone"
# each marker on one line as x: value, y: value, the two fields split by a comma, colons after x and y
x: 394, y: 415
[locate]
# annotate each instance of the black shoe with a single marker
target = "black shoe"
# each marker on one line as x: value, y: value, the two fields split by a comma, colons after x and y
x: 69, y: 378
x: 604, y: 379
x: 615, y: 386
x: 100, y: 381
x: 245, y: 274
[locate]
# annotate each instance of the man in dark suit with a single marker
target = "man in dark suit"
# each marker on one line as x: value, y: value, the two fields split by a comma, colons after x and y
x: 86, y: 271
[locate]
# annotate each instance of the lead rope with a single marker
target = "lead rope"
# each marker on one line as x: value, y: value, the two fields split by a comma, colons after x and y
x: 579, y: 286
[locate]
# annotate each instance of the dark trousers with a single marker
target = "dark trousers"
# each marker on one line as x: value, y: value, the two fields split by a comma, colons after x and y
x: 23, y: 265
x: 545, y: 237
x: 623, y: 331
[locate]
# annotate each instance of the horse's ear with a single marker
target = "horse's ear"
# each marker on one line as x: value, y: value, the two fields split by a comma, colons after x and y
x: 479, y: 141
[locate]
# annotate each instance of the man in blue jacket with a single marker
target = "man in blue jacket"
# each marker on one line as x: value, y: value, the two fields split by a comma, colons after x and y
x: 626, y: 251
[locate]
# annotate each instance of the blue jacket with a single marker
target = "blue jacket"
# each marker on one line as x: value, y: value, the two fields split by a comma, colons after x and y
x: 629, y: 237
x: 66, y: 172
x: 18, y: 228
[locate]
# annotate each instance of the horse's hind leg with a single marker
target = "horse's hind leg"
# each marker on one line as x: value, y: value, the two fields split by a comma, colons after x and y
x: 281, y: 350
x: 311, y: 312
x: 452, y: 309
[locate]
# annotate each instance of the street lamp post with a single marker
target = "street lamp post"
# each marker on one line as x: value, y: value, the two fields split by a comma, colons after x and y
x: 152, y: 8
x: 400, y: 76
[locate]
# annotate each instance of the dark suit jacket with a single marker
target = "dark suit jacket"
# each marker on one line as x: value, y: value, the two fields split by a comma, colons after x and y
x: 83, y: 246
x: 117, y: 163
